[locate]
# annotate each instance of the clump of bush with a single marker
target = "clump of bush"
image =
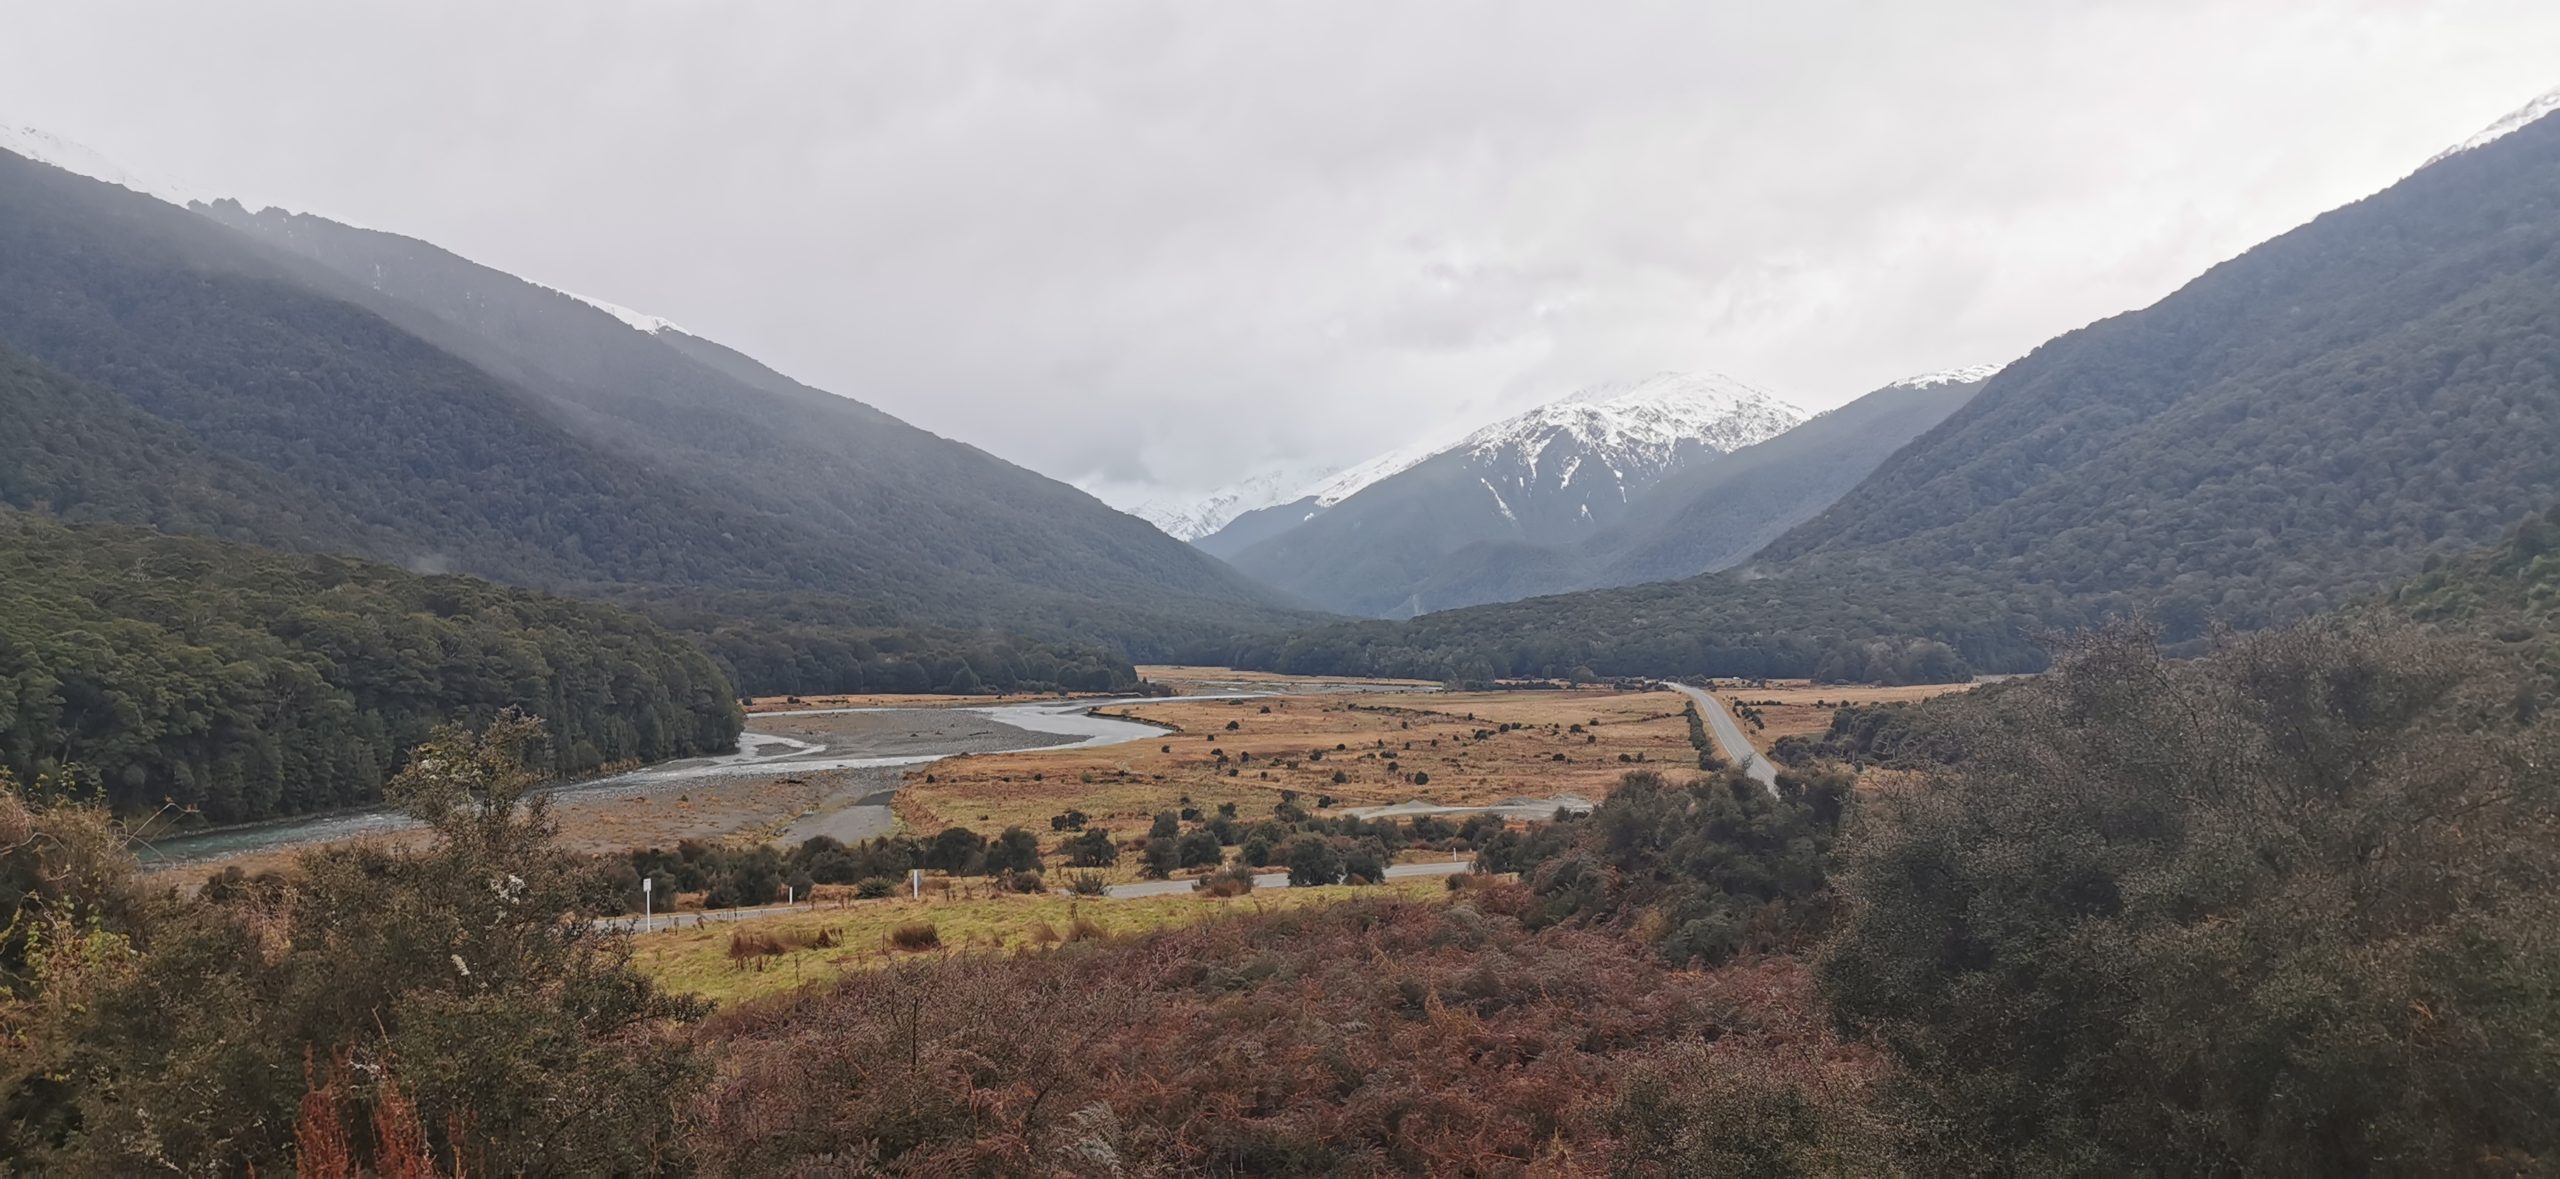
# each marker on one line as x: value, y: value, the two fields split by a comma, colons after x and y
x: 1234, y: 880
x: 915, y: 936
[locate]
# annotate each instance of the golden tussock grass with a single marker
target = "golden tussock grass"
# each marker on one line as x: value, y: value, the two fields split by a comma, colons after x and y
x: 1470, y: 749
x: 820, y: 944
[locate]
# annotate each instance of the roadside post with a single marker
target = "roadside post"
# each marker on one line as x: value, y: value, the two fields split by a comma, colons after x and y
x: 648, y: 893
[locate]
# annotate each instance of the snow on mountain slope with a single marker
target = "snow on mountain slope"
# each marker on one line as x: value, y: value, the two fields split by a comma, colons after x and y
x: 2509, y: 125
x: 1548, y: 478
x: 44, y: 147
x: 1314, y: 487
x: 1966, y: 375
x: 1634, y: 430
x: 1190, y: 518
x: 639, y: 320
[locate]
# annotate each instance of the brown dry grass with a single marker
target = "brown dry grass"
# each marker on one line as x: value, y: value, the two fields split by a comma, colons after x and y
x: 1800, y: 708
x: 1450, y: 738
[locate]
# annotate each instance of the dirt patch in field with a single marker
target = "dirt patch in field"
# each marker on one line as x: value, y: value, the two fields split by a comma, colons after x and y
x: 1466, y: 749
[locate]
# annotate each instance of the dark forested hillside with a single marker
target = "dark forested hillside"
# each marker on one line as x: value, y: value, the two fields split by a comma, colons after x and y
x: 86, y: 454
x: 247, y: 683
x: 2302, y: 427
x: 458, y: 418
x: 2510, y: 593
x: 947, y: 533
x: 1716, y: 516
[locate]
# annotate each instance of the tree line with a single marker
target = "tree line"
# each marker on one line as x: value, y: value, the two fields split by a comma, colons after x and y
x: 234, y: 683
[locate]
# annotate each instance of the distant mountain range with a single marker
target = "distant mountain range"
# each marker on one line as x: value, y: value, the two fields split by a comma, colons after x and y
x: 325, y: 388
x: 1364, y: 542
x: 1619, y: 483
x: 2302, y: 427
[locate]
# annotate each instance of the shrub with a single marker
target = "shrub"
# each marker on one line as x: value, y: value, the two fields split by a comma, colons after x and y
x: 1088, y: 884
x: 956, y: 850
x: 1199, y: 849
x: 1014, y: 850
x: 1093, y: 849
x: 1159, y: 858
x: 915, y: 935
x: 1312, y: 860
x: 872, y: 888
x: 2270, y: 911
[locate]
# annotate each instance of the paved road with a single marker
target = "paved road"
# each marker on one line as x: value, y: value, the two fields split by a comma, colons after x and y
x: 692, y: 918
x: 1737, y: 748
x: 1158, y: 888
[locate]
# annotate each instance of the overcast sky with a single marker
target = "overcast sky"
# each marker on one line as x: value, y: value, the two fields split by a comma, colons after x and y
x: 1156, y: 245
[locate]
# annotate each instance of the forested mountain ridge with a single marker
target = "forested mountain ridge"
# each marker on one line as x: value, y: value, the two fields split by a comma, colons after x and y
x: 2300, y: 428
x: 2284, y: 425
x: 943, y: 525
x: 547, y: 444
x: 247, y: 684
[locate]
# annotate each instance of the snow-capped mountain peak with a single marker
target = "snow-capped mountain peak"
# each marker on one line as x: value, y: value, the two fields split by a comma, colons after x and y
x: 1965, y: 375
x: 1606, y: 441
x: 1642, y: 424
x: 2514, y: 122
x: 1193, y: 517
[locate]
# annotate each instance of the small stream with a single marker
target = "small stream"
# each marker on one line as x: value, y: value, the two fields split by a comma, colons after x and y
x: 758, y: 754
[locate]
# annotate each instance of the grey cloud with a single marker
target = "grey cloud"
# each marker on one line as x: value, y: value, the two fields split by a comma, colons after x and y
x: 1155, y: 244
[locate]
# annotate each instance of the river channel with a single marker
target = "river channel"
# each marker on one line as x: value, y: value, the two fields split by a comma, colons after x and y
x: 812, y: 741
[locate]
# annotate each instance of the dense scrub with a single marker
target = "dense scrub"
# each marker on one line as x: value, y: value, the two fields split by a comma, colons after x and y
x: 2292, y: 908
x: 1371, y: 1038
x: 2510, y: 594
x: 246, y: 684
x: 1700, y: 872
x: 446, y: 1010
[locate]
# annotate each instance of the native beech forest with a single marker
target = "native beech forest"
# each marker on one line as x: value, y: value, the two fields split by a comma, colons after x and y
x: 244, y: 684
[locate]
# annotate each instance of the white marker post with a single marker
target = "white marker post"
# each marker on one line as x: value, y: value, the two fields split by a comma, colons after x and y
x: 648, y: 893
x: 915, y: 883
